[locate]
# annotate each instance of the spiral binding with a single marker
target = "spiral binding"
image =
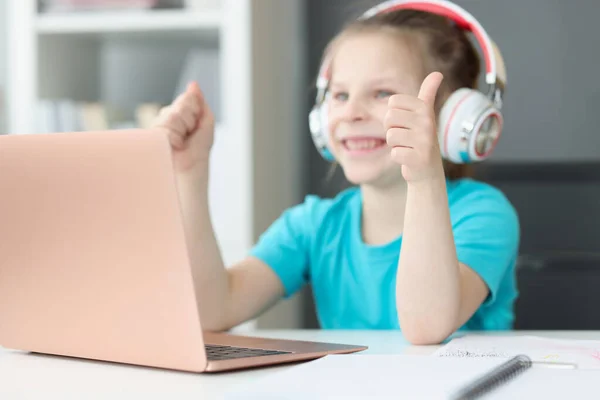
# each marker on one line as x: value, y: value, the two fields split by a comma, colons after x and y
x: 494, y: 378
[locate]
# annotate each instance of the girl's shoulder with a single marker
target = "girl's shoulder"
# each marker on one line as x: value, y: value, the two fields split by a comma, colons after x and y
x: 469, y: 187
x: 470, y: 196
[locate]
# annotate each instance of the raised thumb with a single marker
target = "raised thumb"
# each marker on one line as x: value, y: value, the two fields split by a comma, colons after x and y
x: 429, y: 88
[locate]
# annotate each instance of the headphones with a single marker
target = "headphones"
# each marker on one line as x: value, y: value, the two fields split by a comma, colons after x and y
x: 470, y: 122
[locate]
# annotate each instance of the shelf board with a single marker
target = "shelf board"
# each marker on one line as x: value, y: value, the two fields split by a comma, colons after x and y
x: 127, y: 21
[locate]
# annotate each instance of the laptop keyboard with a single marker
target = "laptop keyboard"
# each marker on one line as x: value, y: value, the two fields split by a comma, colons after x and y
x: 218, y: 352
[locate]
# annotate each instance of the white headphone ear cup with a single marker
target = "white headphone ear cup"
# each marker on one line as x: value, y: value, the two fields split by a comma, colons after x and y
x: 461, y: 132
x: 318, y: 123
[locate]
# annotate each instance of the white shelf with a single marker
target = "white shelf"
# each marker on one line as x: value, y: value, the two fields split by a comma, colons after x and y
x: 126, y: 57
x: 127, y: 21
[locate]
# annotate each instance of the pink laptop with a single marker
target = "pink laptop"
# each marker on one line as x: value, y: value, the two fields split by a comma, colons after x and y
x: 93, y: 261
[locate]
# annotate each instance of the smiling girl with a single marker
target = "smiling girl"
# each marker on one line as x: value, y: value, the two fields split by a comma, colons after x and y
x: 415, y: 244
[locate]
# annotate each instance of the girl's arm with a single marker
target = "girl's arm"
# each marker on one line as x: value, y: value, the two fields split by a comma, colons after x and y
x: 226, y: 297
x: 435, y: 294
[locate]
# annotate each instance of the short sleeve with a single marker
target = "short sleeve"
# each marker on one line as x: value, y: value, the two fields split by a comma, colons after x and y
x: 285, y: 246
x: 486, y: 235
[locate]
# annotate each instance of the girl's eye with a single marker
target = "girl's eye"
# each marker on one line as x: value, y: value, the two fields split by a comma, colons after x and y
x: 383, y: 94
x: 340, y: 96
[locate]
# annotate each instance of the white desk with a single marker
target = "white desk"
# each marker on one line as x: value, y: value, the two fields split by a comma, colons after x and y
x: 26, y: 376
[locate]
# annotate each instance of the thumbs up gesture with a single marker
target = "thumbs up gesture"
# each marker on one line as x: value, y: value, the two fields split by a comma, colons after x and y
x: 411, y: 128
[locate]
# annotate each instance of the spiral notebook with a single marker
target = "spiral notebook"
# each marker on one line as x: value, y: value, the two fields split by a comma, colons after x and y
x: 417, y: 377
x: 493, y: 379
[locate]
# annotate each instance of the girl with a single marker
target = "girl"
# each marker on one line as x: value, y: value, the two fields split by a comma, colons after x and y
x: 416, y: 245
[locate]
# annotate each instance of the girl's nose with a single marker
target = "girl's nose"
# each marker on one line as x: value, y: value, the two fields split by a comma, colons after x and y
x: 354, y: 110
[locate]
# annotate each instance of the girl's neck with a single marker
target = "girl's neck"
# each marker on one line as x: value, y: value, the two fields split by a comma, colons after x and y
x: 382, y: 213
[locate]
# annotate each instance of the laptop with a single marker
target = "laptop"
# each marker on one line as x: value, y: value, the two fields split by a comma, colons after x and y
x: 93, y: 259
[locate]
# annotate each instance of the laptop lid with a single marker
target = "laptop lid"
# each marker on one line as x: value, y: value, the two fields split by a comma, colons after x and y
x: 93, y: 259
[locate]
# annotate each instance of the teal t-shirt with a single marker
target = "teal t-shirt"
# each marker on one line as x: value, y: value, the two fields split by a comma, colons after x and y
x: 319, y: 242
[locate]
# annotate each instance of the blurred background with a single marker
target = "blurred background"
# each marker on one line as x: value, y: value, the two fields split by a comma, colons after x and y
x: 85, y: 65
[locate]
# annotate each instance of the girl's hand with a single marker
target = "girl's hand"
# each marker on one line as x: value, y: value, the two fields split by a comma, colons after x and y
x: 189, y: 124
x: 412, y: 132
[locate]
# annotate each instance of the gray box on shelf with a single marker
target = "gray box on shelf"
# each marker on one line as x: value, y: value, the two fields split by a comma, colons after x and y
x: 157, y: 72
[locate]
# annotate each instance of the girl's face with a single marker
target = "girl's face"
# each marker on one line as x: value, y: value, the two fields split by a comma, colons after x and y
x: 368, y: 68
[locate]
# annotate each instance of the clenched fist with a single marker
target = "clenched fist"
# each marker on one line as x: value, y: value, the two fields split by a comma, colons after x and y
x: 411, y: 128
x: 189, y: 124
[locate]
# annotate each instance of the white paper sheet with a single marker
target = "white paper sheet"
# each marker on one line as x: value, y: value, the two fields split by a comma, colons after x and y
x: 410, y: 377
x: 367, y: 377
x: 584, y: 353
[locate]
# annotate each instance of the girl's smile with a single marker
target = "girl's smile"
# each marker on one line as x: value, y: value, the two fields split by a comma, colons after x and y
x: 361, y: 146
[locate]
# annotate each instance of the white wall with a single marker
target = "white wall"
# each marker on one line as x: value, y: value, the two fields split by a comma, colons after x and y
x: 279, y: 170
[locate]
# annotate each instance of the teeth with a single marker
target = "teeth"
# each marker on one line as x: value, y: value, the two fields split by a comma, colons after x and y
x: 363, y: 144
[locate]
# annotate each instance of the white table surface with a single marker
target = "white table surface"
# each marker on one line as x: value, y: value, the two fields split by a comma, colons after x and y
x: 26, y: 376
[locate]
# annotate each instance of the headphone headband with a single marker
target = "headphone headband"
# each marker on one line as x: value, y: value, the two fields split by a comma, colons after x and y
x: 495, y: 70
